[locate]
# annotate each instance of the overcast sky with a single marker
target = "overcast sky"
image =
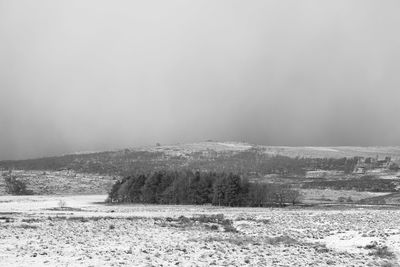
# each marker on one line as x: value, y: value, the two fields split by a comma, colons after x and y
x: 96, y: 75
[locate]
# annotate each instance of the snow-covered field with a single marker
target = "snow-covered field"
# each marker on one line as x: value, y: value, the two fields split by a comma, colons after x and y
x: 80, y: 231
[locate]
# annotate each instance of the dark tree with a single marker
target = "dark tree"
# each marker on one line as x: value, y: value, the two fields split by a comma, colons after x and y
x: 113, y: 194
x: 232, y: 190
x: 151, y: 188
x: 219, y: 190
x: 15, y: 186
x: 135, y: 190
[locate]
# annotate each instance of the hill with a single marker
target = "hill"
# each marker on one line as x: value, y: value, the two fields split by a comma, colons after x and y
x: 203, y: 154
x: 95, y: 172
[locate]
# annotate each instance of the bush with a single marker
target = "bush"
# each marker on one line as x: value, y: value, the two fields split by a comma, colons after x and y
x: 235, y: 240
x: 389, y: 264
x: 212, y: 227
x: 287, y: 240
x: 382, y: 252
x: 230, y: 228
x: 15, y: 186
x: 394, y: 167
x: 27, y: 226
x: 213, y: 218
x: 345, y: 200
x: 182, y: 219
x: 62, y: 204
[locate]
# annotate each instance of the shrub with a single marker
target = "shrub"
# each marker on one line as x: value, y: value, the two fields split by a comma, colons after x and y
x: 210, y: 222
x: 27, y: 226
x: 15, y: 186
x: 264, y: 221
x: 30, y: 220
x: 389, y: 264
x: 214, y: 227
x: 213, y: 218
x: 183, y: 219
x: 230, y: 228
x: 287, y: 240
x: 236, y: 240
x: 62, y: 204
x: 382, y: 252
x: 372, y: 245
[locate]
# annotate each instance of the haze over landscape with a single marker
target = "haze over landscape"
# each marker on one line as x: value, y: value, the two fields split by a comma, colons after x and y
x: 96, y: 75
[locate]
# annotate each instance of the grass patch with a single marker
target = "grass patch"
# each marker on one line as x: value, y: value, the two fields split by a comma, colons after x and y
x: 26, y: 226
x: 95, y: 218
x: 212, y: 227
x: 237, y: 240
x: 30, y: 220
x: 211, y: 222
x: 389, y: 264
x: 244, y: 218
x: 382, y: 252
x: 212, y: 218
x: 241, y: 240
x: 230, y: 228
x: 379, y: 251
x: 287, y: 240
x: 65, y: 209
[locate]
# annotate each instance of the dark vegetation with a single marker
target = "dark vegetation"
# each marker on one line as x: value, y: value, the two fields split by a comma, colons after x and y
x: 129, y: 162
x: 213, y: 222
x: 365, y: 183
x: 379, y: 251
x: 187, y: 187
x: 15, y: 186
x: 255, y: 241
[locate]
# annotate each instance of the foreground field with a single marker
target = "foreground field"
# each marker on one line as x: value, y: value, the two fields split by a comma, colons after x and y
x: 80, y: 231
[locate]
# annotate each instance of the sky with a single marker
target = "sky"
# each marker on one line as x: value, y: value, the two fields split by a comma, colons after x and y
x: 93, y: 75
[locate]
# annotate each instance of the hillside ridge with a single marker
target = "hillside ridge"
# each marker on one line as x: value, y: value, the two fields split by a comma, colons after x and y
x: 290, y: 151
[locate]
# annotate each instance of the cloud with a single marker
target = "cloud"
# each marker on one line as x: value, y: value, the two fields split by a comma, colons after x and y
x: 95, y: 75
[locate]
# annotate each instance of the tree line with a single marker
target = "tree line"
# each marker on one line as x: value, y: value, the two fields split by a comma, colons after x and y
x: 197, y: 188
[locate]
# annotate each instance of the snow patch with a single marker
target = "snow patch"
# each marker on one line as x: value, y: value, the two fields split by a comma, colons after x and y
x: 350, y: 241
